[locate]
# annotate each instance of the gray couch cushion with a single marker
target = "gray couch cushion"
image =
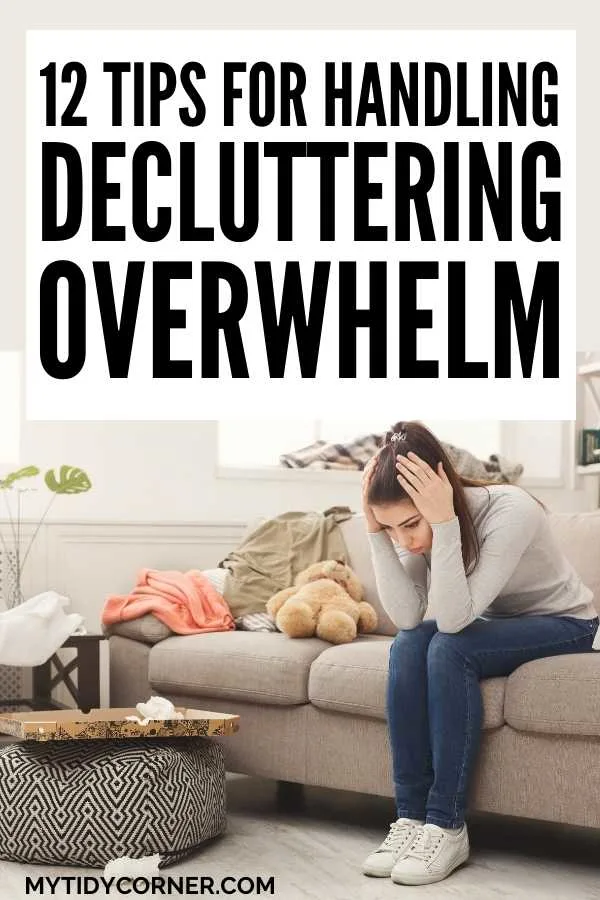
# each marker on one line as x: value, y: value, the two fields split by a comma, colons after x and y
x: 578, y: 536
x: 147, y: 629
x: 239, y: 665
x: 556, y: 695
x: 352, y: 678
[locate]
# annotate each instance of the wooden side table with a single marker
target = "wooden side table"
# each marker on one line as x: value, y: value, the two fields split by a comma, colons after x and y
x: 87, y: 663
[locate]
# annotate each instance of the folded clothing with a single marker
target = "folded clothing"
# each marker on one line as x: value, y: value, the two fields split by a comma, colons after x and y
x: 353, y: 454
x: 256, y: 622
x: 186, y: 602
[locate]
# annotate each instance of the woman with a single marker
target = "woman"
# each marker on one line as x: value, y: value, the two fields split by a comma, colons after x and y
x: 481, y: 560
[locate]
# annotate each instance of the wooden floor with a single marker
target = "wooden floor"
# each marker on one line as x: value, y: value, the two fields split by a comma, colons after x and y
x: 313, y: 846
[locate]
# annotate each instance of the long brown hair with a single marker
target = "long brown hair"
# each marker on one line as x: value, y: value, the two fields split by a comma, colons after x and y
x: 385, y: 489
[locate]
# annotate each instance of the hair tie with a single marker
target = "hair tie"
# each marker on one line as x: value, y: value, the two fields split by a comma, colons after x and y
x: 398, y: 436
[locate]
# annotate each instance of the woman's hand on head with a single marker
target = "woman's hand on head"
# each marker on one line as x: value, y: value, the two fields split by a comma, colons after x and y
x: 372, y: 523
x: 429, y: 490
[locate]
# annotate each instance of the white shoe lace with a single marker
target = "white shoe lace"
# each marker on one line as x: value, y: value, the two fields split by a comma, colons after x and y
x: 426, y: 842
x: 396, y: 836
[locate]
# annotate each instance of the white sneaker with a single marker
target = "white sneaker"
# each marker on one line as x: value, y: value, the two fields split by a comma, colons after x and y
x: 434, y: 854
x: 401, y: 836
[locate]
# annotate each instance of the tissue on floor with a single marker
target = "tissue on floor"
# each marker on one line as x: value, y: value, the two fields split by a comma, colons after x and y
x: 128, y: 867
x: 31, y: 632
x: 155, y: 708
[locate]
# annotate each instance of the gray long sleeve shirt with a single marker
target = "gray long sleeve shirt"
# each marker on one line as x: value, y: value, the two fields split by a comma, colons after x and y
x: 521, y: 571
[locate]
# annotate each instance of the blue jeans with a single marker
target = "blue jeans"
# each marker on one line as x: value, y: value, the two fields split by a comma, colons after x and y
x: 434, y: 706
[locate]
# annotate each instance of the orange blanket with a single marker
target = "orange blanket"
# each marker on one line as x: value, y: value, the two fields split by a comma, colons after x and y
x: 185, y: 601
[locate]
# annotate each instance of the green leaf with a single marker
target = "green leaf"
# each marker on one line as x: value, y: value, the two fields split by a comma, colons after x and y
x: 71, y: 480
x: 27, y: 472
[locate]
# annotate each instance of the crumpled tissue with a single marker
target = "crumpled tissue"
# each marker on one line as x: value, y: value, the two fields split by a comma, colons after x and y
x: 155, y: 708
x: 128, y: 867
x: 32, y: 632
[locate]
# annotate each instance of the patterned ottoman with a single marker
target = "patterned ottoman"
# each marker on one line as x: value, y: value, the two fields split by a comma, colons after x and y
x: 84, y: 803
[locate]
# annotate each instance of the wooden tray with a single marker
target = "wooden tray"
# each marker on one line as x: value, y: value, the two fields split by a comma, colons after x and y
x: 74, y: 725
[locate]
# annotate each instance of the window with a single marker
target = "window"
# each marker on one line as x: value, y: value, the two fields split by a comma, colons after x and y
x: 270, y: 438
x: 480, y: 438
x: 260, y: 443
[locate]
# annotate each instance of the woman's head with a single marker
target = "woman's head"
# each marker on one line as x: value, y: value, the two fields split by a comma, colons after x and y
x: 394, y: 509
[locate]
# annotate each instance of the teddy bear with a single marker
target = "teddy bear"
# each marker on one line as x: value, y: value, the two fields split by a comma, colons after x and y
x: 326, y: 600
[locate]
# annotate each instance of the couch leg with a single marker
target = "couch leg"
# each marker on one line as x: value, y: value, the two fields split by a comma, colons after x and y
x: 290, y: 794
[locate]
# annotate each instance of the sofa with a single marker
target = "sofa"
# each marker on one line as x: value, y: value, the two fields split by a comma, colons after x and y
x: 314, y: 713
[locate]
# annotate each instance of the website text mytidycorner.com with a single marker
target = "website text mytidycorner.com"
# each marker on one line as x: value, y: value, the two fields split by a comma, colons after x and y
x: 156, y: 885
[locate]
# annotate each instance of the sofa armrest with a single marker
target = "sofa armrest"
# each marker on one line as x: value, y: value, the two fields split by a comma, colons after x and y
x: 129, y: 661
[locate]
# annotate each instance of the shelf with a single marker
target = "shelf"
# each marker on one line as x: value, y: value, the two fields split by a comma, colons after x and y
x: 592, y: 469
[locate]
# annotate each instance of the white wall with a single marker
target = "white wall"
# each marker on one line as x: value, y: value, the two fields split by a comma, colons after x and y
x: 167, y: 472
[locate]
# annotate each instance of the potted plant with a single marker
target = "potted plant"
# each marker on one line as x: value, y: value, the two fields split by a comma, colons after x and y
x: 69, y: 480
